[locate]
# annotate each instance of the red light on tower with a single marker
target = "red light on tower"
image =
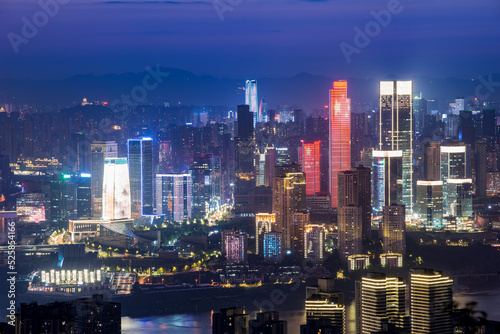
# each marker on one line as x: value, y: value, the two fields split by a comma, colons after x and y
x: 340, y: 135
x: 309, y: 157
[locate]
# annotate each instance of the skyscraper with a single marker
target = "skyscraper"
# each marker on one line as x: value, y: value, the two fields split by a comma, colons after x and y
x: 100, y: 150
x: 386, y: 180
x: 396, y: 130
x: 350, y: 231
x: 309, y: 159
x: 116, y: 202
x: 244, y: 159
x: 272, y: 247
x: 236, y: 247
x: 430, y: 203
x: 314, y: 243
x: 264, y: 223
x: 140, y: 160
x: 173, y: 196
x: 382, y: 303
x: 354, y: 188
x: 432, y: 161
x: 394, y: 229
x: 340, y: 135
x: 431, y: 297
x: 252, y: 100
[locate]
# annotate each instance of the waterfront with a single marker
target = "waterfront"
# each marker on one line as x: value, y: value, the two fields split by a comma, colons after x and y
x: 199, y: 323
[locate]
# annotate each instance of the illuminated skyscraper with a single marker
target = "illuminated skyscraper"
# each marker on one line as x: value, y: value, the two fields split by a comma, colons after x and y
x: 252, y: 100
x: 236, y: 247
x: 289, y: 187
x: 396, y: 130
x: 116, y: 189
x: 386, y: 180
x: 340, y: 134
x: 244, y: 160
x: 431, y: 296
x: 100, y: 150
x: 264, y: 223
x: 173, y: 196
x: 140, y: 160
x: 309, y: 159
x: 272, y: 247
x: 430, y: 203
x: 314, y: 243
x: 394, y: 229
x: 298, y: 223
x: 382, y: 303
x: 432, y: 160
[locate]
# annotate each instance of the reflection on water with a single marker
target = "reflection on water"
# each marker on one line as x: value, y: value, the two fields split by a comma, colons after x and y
x: 3, y: 231
x: 199, y: 323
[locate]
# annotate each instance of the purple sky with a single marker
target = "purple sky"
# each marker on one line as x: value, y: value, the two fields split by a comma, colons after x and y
x: 257, y: 38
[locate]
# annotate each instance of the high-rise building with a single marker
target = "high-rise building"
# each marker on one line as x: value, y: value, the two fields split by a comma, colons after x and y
x: 100, y: 150
x: 83, y: 196
x: 173, y: 196
x: 354, y: 188
x: 419, y: 112
x: 320, y: 307
x: 116, y: 202
x: 358, y: 134
x: 314, y: 243
x: 230, y: 321
x: 309, y: 159
x: 382, y: 303
x: 298, y: 223
x: 289, y: 187
x: 394, y: 229
x: 264, y: 223
x: 396, y: 131
x: 340, y: 135
x: 481, y: 168
x: 430, y: 203
x: 244, y: 159
x: 431, y: 297
x: 272, y: 247
x: 459, y: 198
x: 432, y: 160
x: 386, y: 180
x: 251, y: 99
x: 264, y: 164
x: 140, y: 161
x: 350, y: 231
x: 236, y: 247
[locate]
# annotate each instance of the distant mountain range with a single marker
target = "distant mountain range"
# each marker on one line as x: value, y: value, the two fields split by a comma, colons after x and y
x: 302, y: 90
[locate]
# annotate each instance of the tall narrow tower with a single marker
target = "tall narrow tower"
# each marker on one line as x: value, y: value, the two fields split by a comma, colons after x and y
x: 252, y: 100
x: 140, y: 160
x: 340, y: 135
x: 396, y: 130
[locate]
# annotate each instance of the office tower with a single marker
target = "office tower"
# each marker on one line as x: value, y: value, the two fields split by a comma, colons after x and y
x: 83, y: 196
x: 382, y: 303
x: 394, y: 229
x: 431, y: 298
x: 298, y: 223
x: 244, y: 159
x: 116, y: 201
x: 166, y: 163
x: 466, y: 128
x: 236, y: 246
x: 480, y: 168
x: 386, y: 180
x: 264, y: 164
x: 62, y: 205
x: 230, y: 321
x: 488, y: 123
x: 430, y: 203
x: 454, y: 161
x: 173, y: 196
x: 206, y: 182
x: 282, y: 156
x: 272, y: 248
x: 320, y: 307
x: 264, y: 223
x: 100, y: 150
x: 350, y: 231
x: 340, y: 135
x: 267, y: 323
x: 419, y: 112
x: 432, y: 160
x: 251, y: 100
x: 391, y: 260
x: 354, y: 188
x: 78, y: 159
x: 288, y: 195
x: 396, y: 131
x: 314, y: 243
x: 309, y: 159
x: 317, y: 130
x: 358, y: 134
x: 459, y: 198
x: 140, y: 161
